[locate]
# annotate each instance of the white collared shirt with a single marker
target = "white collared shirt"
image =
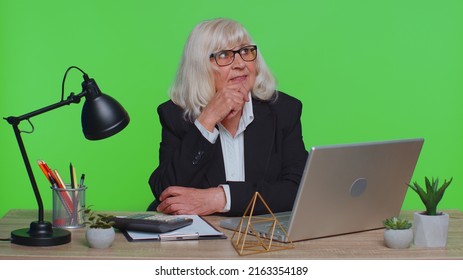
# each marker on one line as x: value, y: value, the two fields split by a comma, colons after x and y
x: 232, y: 148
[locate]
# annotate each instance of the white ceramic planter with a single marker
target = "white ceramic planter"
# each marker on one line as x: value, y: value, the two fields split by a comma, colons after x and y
x: 398, y: 238
x: 430, y: 231
x: 100, y: 238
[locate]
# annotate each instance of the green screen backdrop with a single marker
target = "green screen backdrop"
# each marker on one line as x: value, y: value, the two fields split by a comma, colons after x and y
x: 365, y: 71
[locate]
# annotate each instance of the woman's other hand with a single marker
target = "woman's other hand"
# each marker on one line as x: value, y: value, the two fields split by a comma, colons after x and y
x: 184, y: 200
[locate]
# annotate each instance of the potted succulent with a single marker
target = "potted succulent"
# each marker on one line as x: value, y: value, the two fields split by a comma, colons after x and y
x: 100, y: 232
x: 431, y: 226
x: 398, y: 233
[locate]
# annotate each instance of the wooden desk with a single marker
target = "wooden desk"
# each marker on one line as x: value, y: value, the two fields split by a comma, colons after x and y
x: 364, y: 245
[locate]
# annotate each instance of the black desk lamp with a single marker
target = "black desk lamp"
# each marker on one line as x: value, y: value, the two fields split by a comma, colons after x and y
x: 102, y: 117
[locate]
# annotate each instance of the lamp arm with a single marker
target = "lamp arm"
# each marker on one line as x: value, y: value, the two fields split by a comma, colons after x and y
x: 14, y: 121
x: 72, y: 98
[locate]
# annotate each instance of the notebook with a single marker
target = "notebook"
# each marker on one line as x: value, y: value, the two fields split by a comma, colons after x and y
x: 346, y: 188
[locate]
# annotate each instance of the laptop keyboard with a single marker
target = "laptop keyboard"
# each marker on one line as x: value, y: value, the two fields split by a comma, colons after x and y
x: 283, y: 224
x: 263, y: 227
x: 283, y: 219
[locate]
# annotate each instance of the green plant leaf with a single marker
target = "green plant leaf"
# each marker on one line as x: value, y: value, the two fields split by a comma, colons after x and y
x: 441, y: 191
x: 99, y: 220
x: 433, y: 194
x: 397, y: 223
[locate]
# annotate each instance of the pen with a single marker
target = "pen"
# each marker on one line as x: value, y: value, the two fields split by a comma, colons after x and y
x: 75, y: 202
x: 59, y: 180
x: 82, y: 178
x: 47, y: 171
x: 178, y: 237
x: 44, y: 170
x: 53, y: 182
x: 73, y: 176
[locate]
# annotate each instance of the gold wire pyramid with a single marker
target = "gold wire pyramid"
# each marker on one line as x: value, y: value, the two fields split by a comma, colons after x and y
x: 246, y: 239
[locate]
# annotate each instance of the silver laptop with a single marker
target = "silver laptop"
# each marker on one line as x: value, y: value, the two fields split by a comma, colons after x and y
x: 345, y: 189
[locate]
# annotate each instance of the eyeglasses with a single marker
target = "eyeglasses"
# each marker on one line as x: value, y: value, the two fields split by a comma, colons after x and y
x: 226, y: 57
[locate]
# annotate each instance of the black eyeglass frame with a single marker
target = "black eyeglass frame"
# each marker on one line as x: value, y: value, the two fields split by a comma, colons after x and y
x: 214, y: 55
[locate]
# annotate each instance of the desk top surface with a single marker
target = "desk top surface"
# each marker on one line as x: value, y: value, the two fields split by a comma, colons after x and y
x: 362, y: 245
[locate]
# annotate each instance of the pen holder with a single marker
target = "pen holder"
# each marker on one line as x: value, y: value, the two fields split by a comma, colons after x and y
x: 69, y: 207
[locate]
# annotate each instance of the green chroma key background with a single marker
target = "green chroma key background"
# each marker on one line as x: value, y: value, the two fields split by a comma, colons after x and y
x: 365, y: 71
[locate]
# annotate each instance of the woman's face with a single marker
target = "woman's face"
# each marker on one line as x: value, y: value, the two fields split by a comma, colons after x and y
x: 239, y: 73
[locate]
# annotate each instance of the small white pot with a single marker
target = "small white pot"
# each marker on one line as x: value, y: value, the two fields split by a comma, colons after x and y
x: 100, y: 238
x: 398, y: 238
x: 430, y: 231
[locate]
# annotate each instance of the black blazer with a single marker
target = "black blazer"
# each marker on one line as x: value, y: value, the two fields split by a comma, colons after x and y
x: 274, y: 153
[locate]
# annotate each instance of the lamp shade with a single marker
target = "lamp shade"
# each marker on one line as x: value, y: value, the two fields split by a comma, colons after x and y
x: 102, y: 115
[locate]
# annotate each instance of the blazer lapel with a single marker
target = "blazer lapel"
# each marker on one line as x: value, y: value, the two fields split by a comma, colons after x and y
x: 259, y: 139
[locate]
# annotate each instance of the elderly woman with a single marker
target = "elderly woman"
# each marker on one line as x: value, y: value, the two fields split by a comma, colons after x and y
x: 226, y: 132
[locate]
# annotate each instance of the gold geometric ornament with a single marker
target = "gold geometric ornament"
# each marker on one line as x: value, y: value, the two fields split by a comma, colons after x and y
x: 246, y: 239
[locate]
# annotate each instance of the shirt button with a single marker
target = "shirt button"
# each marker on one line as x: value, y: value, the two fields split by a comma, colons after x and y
x: 198, y: 157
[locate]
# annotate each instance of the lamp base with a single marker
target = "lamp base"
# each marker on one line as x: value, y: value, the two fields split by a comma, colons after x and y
x: 40, y: 234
